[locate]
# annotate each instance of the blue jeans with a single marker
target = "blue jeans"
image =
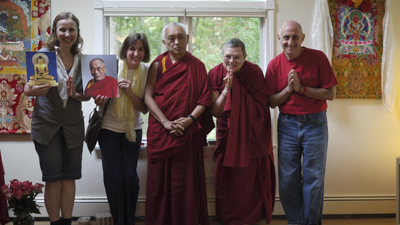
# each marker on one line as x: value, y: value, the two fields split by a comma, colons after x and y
x: 121, y: 180
x: 302, y: 149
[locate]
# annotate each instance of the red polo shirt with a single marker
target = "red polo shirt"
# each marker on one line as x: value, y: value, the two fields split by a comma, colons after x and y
x: 313, y: 69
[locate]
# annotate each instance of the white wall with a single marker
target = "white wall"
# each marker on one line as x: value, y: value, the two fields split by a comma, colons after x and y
x: 364, y: 138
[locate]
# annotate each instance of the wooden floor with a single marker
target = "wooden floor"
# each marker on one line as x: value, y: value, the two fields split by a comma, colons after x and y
x: 342, y: 221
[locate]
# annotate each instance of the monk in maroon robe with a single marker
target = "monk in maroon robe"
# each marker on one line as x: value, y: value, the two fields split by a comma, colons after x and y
x: 245, y: 175
x: 177, y: 94
x: 101, y: 84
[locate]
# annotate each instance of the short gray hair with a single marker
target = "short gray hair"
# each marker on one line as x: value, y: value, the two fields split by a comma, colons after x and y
x: 172, y: 24
x: 234, y: 43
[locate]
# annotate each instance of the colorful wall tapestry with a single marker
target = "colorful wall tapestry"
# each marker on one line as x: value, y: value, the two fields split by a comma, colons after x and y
x: 357, y: 47
x: 24, y: 26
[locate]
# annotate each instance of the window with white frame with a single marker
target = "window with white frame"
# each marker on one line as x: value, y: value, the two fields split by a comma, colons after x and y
x: 209, y: 24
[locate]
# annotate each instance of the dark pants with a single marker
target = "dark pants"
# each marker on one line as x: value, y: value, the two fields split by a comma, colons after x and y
x: 120, y: 157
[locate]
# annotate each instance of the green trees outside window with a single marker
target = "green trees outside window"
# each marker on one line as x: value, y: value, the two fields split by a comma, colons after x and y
x: 207, y: 34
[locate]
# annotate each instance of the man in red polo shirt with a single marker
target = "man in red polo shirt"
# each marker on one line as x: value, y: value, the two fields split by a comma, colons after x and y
x: 299, y: 81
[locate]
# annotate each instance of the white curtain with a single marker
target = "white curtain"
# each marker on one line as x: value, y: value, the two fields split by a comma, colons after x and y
x: 390, y: 61
x: 322, y: 30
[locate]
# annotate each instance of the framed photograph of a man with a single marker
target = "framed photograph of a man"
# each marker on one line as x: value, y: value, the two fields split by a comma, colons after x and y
x: 100, y: 75
x: 41, y: 68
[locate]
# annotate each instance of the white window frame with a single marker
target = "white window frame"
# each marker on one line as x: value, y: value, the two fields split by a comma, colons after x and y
x: 184, y: 10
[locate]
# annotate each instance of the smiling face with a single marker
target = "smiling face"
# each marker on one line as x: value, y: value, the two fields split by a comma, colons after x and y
x: 135, y: 54
x: 233, y: 59
x: 97, y: 69
x: 66, y: 32
x: 175, y: 40
x: 291, y: 37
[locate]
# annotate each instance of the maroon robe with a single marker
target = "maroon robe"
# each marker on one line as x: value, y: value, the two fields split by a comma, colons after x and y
x: 106, y: 87
x: 245, y: 174
x: 176, y: 191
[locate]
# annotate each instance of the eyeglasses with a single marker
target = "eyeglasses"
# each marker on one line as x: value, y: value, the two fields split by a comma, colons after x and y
x: 93, y: 69
x: 228, y: 58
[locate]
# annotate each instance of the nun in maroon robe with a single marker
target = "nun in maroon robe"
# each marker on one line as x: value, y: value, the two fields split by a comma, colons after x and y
x: 177, y: 94
x: 245, y: 174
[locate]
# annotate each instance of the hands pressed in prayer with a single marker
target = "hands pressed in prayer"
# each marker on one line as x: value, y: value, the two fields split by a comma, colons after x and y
x: 228, y: 80
x: 294, y: 81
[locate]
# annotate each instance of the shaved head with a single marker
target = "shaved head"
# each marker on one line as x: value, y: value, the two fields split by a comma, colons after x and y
x: 291, y: 37
x: 290, y: 23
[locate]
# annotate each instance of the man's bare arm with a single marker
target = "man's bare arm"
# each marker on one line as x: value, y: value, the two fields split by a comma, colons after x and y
x: 319, y: 93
